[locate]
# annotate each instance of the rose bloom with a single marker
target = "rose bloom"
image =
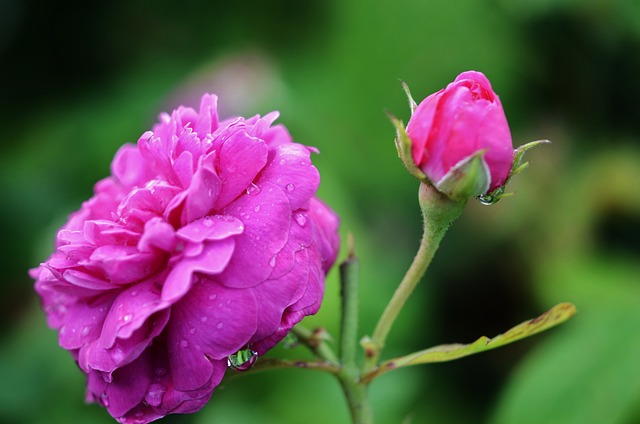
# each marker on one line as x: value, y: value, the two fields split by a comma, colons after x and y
x: 457, y: 122
x: 205, y: 240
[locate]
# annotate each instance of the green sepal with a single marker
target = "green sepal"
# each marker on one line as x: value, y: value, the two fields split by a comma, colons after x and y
x: 403, y: 146
x: 468, y: 178
x: 516, y: 167
x: 412, y: 103
x: 448, y: 352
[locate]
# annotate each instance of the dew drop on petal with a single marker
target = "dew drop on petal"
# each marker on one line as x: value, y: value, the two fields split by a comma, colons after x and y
x: 192, y: 331
x: 220, y: 325
x: 160, y: 371
x: 282, y: 161
x: 213, y: 296
x: 204, y: 319
x: 301, y: 219
x: 85, y: 331
x: 154, y: 394
x: 242, y: 360
x: 256, y: 209
x: 290, y: 187
x: 184, y: 344
x: 207, y: 222
x: 253, y: 189
x: 104, y: 399
x: 127, y: 317
x: 272, y: 262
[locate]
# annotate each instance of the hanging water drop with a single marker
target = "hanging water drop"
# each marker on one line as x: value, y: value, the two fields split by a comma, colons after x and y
x: 242, y: 360
x: 491, y: 198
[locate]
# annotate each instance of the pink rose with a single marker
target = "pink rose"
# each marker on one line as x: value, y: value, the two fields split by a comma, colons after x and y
x: 206, y: 240
x: 451, y: 127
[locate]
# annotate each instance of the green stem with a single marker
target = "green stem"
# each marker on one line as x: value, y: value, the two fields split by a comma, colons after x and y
x: 349, y: 277
x: 438, y: 212
x: 357, y: 399
x: 315, y: 342
x: 355, y: 392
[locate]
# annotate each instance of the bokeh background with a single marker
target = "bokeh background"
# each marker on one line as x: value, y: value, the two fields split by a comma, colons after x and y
x: 79, y: 79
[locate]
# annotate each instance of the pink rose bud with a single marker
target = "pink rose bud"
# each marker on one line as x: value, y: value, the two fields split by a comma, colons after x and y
x: 460, y: 139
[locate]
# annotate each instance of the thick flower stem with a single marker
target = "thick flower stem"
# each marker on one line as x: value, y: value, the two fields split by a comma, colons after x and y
x: 357, y: 398
x: 438, y: 212
x: 349, y: 278
x: 349, y: 376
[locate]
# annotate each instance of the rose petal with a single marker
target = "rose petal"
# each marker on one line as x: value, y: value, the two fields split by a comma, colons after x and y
x: 266, y: 215
x: 292, y: 171
x: 213, y: 260
x: 241, y: 158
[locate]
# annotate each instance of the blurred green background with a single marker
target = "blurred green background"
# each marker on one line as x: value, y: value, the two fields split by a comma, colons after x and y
x: 80, y: 79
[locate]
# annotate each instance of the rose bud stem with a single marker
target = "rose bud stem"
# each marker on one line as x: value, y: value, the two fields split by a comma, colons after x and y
x: 438, y: 212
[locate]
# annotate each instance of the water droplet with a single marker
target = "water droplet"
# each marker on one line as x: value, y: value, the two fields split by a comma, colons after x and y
x: 213, y: 296
x: 256, y: 209
x: 154, y: 394
x: 272, y: 262
x: 63, y: 329
x: 220, y: 325
x: 282, y: 161
x: 231, y: 168
x: 242, y: 360
x: 290, y: 187
x: 127, y: 317
x: 104, y: 399
x: 184, y: 344
x: 134, y: 293
x: 204, y: 319
x: 301, y: 219
x: 160, y: 371
x: 253, y: 189
x: 85, y: 331
x: 491, y: 198
x: 207, y: 222
x: 192, y: 331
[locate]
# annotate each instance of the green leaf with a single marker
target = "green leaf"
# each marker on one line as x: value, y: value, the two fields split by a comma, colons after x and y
x: 448, y: 352
x: 587, y: 374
